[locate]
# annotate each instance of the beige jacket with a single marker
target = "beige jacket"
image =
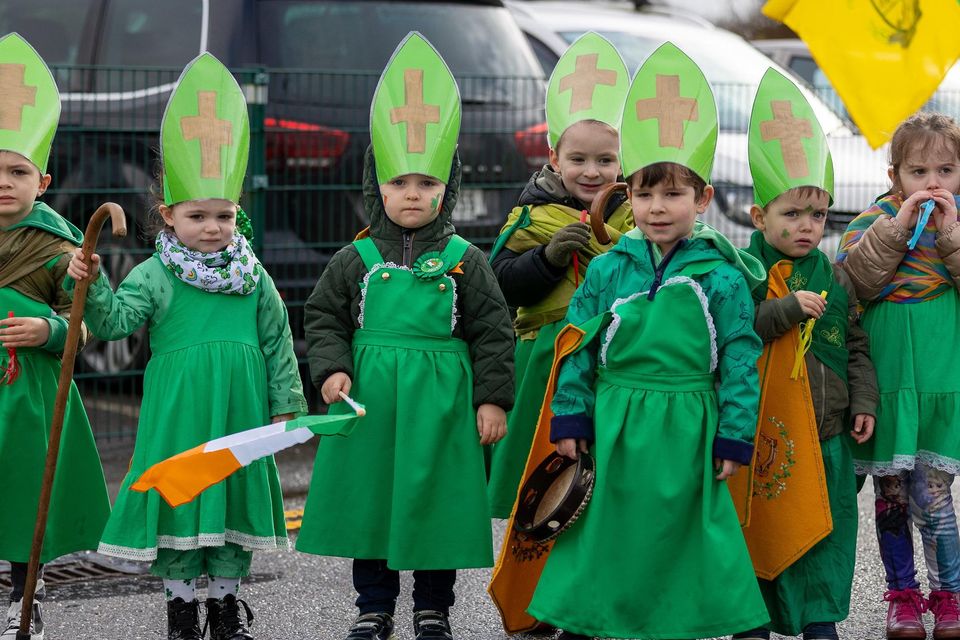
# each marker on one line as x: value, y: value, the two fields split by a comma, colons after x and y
x: 873, y: 261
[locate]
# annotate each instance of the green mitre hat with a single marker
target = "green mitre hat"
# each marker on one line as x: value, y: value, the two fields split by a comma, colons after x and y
x: 670, y: 115
x: 590, y: 82
x: 787, y: 148
x: 205, y: 135
x: 415, y: 115
x: 29, y: 101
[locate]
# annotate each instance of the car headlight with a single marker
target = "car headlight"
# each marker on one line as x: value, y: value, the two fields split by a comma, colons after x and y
x: 734, y: 201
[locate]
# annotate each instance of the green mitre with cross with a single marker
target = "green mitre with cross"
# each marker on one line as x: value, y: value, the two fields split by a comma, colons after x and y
x: 670, y: 115
x: 415, y: 115
x: 205, y: 135
x: 786, y: 145
x: 589, y: 82
x: 29, y: 101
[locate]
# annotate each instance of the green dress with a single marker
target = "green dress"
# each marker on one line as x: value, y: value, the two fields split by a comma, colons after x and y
x: 408, y: 486
x: 658, y: 552
x: 220, y: 364
x: 79, y: 505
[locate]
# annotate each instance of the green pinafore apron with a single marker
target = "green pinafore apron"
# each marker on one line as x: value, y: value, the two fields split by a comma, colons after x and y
x: 408, y: 485
x: 658, y: 553
x: 79, y: 505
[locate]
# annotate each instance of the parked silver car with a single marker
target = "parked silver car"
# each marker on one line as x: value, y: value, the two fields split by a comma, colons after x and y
x: 734, y: 69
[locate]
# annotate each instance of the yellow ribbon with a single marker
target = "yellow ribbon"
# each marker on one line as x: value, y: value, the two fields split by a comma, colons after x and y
x: 806, y: 338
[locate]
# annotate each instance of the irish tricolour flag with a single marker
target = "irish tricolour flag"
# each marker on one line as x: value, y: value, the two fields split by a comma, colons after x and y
x: 183, y: 477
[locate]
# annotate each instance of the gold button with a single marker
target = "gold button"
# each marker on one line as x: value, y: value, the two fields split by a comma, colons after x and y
x: 443, y: 287
x: 386, y: 275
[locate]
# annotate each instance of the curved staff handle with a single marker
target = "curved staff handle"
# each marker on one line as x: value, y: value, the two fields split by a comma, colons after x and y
x: 118, y: 221
x: 600, y: 206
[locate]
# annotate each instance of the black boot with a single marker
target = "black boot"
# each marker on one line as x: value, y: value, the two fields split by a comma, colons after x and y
x: 183, y: 620
x: 223, y: 618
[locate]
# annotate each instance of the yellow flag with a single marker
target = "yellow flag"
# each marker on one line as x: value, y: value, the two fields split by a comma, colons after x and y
x: 884, y: 57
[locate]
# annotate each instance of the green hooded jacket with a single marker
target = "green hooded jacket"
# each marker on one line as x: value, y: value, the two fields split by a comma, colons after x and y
x: 332, y: 310
x: 627, y: 269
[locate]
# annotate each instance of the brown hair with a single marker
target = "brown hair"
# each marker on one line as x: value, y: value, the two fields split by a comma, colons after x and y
x: 669, y: 172
x: 588, y: 121
x: 800, y: 192
x: 922, y: 133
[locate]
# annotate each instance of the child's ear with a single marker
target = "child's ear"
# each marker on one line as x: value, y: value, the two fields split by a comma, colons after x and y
x: 44, y: 184
x: 893, y: 178
x: 554, y: 160
x: 705, y: 199
x: 756, y: 214
x: 167, y: 214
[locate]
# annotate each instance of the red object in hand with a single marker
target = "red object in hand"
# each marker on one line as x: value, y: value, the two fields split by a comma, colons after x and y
x: 12, y: 371
x: 584, y: 215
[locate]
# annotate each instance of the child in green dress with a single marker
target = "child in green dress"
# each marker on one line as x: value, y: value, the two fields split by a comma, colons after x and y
x: 35, y: 247
x: 410, y: 321
x: 534, y: 254
x: 222, y: 362
x: 662, y: 391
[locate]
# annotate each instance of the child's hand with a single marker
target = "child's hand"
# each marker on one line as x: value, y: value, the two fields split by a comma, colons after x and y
x: 77, y: 269
x: 283, y: 417
x: 571, y: 447
x: 863, y: 424
x: 23, y: 332
x: 491, y: 423
x: 333, y: 385
x: 945, y: 213
x: 725, y: 468
x: 812, y: 304
x: 910, y: 209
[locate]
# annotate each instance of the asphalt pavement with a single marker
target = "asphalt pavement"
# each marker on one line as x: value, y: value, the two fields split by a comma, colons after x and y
x: 303, y: 597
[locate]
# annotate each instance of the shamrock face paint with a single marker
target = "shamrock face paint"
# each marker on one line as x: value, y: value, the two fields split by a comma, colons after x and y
x: 412, y: 200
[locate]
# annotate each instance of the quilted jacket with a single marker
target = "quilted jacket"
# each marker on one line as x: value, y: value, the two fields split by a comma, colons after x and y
x: 483, y: 321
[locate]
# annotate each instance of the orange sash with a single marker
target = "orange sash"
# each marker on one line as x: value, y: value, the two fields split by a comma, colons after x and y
x: 521, y: 561
x: 790, y: 509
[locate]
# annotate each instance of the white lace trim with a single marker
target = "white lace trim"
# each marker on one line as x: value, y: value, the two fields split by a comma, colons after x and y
x: 906, y: 463
x: 392, y: 265
x: 366, y: 281
x: 704, y: 303
x: 245, y: 540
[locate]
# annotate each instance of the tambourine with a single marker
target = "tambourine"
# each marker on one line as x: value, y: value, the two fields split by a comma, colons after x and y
x: 554, y: 496
x: 599, y: 208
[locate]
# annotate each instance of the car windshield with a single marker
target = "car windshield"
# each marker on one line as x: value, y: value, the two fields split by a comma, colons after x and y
x: 473, y: 39
x: 53, y: 27
x: 732, y: 66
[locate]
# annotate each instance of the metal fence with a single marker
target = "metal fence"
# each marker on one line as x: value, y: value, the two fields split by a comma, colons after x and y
x: 309, y: 130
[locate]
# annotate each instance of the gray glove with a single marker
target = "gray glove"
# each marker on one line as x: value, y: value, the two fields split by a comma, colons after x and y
x: 565, y: 242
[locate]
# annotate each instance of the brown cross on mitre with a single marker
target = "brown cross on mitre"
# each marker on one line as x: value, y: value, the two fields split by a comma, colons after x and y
x: 584, y: 80
x: 789, y: 131
x: 212, y: 132
x: 670, y: 110
x: 414, y: 113
x: 14, y: 96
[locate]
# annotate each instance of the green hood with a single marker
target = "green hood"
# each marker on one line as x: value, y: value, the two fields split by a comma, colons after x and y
x: 704, y: 245
x: 45, y: 218
x: 382, y: 227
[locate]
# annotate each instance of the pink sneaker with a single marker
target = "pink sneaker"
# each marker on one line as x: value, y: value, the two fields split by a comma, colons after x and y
x: 905, y: 615
x: 946, y: 614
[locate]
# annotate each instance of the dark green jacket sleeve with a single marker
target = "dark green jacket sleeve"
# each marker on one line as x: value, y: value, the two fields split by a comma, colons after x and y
x: 738, y: 348
x: 327, y: 321
x: 861, y: 375
x: 487, y: 330
x: 776, y: 316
